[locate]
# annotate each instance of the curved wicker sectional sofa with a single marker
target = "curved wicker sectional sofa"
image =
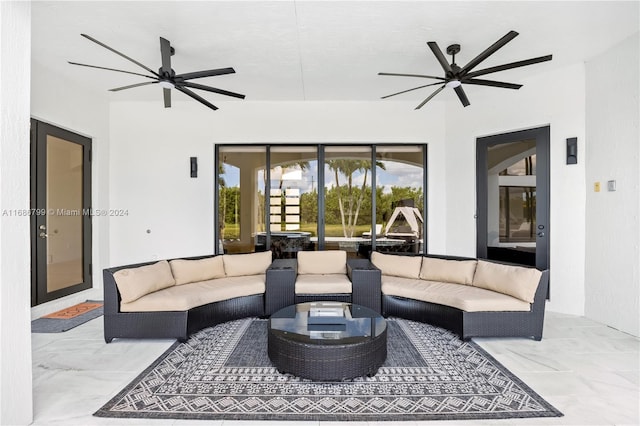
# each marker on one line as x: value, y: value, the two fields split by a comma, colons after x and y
x: 472, y: 298
x: 174, y: 298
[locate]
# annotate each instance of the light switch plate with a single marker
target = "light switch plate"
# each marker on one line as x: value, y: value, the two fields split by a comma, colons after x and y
x: 596, y: 187
x: 611, y: 185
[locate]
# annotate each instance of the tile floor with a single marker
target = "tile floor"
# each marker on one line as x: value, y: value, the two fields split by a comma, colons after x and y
x: 585, y: 369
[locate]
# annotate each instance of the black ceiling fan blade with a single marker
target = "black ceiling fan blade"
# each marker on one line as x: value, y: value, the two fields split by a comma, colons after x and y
x: 206, y: 73
x: 165, y: 52
x: 196, y: 97
x: 119, y: 53
x: 439, y: 56
x: 166, y: 93
x: 488, y: 52
x: 510, y: 66
x: 209, y: 89
x: 492, y: 83
x: 462, y: 96
x: 111, y: 69
x: 409, y: 90
x: 430, y: 97
x: 410, y: 75
x: 131, y: 86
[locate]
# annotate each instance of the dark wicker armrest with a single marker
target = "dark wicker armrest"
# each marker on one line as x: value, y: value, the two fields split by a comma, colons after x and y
x: 280, y: 285
x: 365, y: 284
x: 541, y: 293
x: 111, y: 293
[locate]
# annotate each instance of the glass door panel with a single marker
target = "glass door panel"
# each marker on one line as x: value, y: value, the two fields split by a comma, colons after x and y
x: 347, y: 191
x: 293, y: 200
x: 241, y: 198
x: 64, y: 222
x: 400, y: 199
x: 511, y: 201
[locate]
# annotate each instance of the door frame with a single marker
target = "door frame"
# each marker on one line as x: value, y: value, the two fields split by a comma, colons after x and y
x: 542, y: 138
x: 38, y: 196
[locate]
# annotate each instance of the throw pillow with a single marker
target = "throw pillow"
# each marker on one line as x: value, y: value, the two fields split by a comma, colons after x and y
x: 399, y: 266
x: 237, y: 265
x: 191, y: 271
x: 322, y: 262
x: 516, y: 281
x: 133, y: 283
x: 448, y: 271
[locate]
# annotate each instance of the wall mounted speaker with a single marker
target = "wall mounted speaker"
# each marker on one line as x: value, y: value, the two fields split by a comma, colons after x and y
x: 572, y: 151
x: 194, y: 167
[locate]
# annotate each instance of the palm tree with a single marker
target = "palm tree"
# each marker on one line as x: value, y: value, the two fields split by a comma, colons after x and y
x: 348, y: 168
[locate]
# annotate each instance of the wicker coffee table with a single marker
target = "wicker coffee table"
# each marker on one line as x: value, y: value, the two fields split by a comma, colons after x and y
x: 327, y: 340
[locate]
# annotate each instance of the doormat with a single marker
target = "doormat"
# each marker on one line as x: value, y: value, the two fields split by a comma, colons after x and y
x: 68, y: 318
x: 224, y: 372
x: 74, y: 311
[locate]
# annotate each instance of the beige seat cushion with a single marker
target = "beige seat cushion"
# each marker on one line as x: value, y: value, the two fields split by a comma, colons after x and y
x: 237, y: 265
x: 399, y: 266
x: 322, y: 284
x: 134, y: 283
x: 448, y: 271
x: 190, y: 271
x: 322, y: 262
x: 188, y: 296
x: 516, y: 281
x: 460, y: 296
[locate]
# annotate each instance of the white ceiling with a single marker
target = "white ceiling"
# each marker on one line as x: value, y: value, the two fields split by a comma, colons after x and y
x: 316, y: 50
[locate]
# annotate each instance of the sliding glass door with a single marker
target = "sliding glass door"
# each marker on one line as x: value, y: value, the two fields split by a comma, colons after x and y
x: 288, y: 198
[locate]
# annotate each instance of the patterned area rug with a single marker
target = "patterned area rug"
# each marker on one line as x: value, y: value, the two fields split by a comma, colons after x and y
x: 224, y: 372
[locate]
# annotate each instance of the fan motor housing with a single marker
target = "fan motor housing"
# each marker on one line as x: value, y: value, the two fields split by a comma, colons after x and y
x: 453, y: 49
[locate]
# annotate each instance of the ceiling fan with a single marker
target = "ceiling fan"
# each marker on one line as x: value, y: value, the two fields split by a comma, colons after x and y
x: 455, y: 77
x: 166, y: 76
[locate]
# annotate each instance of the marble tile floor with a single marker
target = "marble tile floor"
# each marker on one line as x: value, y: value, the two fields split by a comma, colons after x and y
x: 589, y: 371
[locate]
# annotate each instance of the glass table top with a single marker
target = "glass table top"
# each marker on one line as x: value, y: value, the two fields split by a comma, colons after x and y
x: 327, y: 323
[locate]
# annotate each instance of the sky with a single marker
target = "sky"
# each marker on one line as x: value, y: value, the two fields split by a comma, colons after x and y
x: 396, y: 174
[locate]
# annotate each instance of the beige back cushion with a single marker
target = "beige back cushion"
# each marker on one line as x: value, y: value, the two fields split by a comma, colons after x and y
x: 191, y: 271
x: 322, y: 262
x: 134, y: 283
x: 515, y: 281
x: 237, y: 265
x: 448, y: 271
x: 399, y: 266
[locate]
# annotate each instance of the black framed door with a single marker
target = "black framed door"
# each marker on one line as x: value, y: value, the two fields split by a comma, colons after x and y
x: 60, y: 212
x: 512, y: 185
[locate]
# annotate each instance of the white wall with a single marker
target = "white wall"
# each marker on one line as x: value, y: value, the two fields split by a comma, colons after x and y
x: 59, y: 101
x: 15, y: 336
x: 612, y: 153
x: 151, y: 146
x: 555, y: 99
